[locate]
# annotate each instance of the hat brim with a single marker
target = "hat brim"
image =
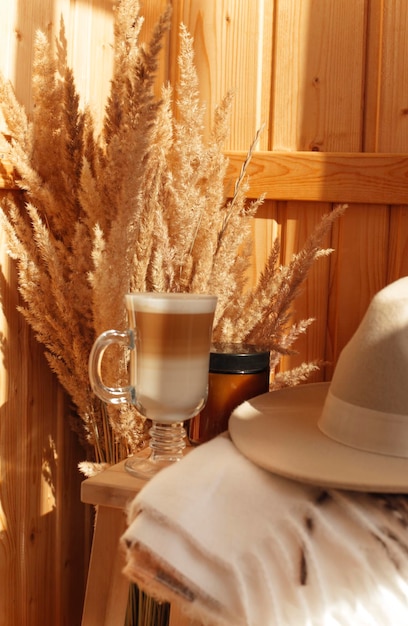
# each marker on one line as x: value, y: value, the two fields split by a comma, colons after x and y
x: 278, y: 431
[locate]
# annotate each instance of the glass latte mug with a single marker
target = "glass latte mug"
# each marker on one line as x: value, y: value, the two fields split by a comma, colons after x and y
x: 169, y: 338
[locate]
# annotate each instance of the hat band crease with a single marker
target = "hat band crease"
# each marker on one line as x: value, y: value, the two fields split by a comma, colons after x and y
x: 364, y: 428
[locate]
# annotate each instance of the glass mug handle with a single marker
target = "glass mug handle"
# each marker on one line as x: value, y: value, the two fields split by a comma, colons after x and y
x: 112, y: 395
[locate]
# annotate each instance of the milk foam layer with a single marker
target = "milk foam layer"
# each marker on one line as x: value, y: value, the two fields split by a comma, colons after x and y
x: 171, y: 390
x: 170, y: 302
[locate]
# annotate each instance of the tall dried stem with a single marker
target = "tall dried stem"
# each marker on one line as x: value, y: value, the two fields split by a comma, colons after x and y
x: 141, y: 206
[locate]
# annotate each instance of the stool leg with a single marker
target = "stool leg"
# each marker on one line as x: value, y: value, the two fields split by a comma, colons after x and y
x: 107, y: 588
x: 177, y: 617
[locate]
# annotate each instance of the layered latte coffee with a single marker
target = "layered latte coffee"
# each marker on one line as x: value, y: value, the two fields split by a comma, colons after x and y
x: 170, y: 362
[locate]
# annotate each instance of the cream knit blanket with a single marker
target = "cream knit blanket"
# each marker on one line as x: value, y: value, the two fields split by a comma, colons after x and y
x: 238, y: 545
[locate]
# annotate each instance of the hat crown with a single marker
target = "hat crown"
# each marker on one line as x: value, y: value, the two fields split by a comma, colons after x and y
x: 367, y: 404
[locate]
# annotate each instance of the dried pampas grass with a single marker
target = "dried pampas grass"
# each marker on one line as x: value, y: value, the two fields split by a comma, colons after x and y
x: 140, y: 207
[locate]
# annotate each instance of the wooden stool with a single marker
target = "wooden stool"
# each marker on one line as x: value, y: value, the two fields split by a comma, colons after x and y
x: 107, y: 588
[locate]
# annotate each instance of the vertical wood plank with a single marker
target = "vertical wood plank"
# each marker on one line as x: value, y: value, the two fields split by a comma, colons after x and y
x: 397, y: 265
x: 8, y: 37
x: 358, y: 272
x: 373, y: 74
x: 28, y: 535
x: 89, y: 32
x: 232, y: 43
x: 392, y: 110
x: 391, y: 131
x: 266, y: 229
x: 317, y: 95
x: 319, y: 56
x: 27, y: 18
x: 385, y: 130
x: 298, y: 221
x: 73, y: 520
x: 43, y: 535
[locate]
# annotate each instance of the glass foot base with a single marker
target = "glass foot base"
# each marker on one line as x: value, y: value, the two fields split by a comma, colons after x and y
x: 142, y: 465
x: 166, y: 447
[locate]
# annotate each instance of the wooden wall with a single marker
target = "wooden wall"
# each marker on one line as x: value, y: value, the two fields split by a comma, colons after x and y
x: 329, y: 81
x: 44, y: 529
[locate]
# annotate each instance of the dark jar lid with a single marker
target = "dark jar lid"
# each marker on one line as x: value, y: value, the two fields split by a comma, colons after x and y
x: 238, y: 358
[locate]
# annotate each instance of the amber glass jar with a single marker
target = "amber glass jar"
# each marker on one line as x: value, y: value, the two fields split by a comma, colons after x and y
x: 237, y: 372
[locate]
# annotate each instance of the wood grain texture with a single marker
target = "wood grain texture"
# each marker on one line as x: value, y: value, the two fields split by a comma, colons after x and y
x: 397, y: 259
x: 107, y: 588
x: 372, y: 75
x: 114, y: 488
x: 328, y: 80
x: 233, y: 50
x: 358, y: 270
x: 43, y: 536
x: 326, y: 176
x: 335, y: 177
x: 318, y: 66
x: 392, y: 110
x: 298, y: 221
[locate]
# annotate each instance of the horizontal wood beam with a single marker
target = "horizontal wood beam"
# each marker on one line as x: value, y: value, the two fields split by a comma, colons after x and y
x: 372, y: 178
x: 369, y: 178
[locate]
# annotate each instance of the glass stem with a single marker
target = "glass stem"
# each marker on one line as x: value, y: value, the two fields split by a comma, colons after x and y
x: 167, y: 442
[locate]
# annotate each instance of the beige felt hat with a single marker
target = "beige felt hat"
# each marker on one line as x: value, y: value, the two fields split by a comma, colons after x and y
x: 351, y: 433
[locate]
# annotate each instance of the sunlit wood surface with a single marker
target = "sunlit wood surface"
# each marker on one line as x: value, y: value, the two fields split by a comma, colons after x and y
x: 328, y: 81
